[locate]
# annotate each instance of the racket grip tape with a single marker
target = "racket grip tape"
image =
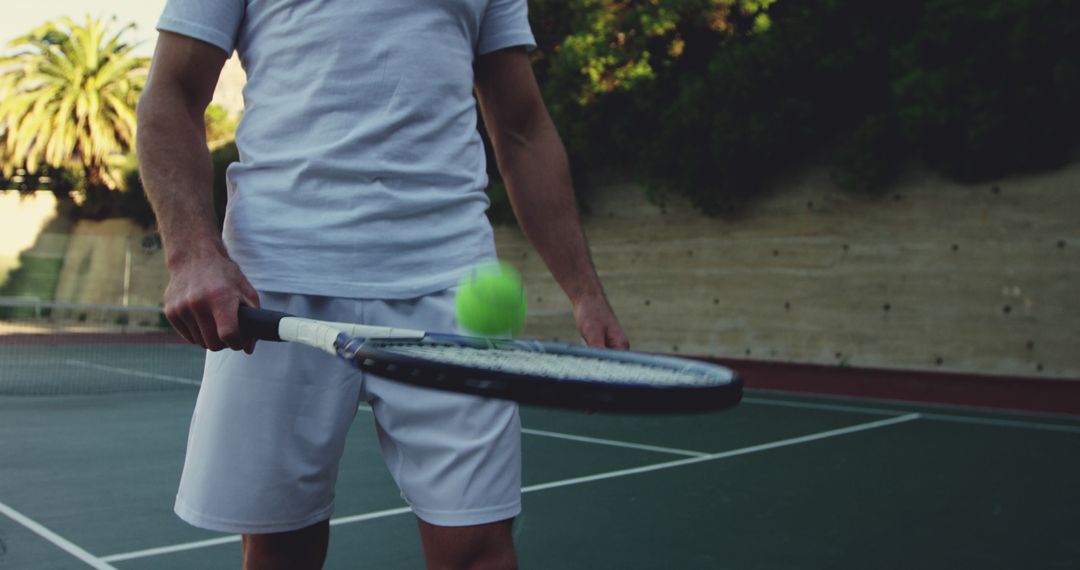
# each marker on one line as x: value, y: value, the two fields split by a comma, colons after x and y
x: 261, y: 324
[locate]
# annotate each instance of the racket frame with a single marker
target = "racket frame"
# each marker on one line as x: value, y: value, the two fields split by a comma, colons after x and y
x: 360, y: 346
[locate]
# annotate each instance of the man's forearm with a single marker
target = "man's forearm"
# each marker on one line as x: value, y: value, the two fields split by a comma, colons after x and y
x: 537, y: 175
x: 177, y: 173
x: 205, y: 286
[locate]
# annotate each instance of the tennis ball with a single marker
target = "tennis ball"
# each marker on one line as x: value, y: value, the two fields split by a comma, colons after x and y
x: 491, y: 300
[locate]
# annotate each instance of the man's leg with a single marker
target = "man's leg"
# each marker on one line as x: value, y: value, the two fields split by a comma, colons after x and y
x: 303, y: 549
x: 480, y: 547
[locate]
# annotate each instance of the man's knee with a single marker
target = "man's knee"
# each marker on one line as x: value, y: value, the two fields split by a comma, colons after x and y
x: 304, y: 548
x: 480, y: 547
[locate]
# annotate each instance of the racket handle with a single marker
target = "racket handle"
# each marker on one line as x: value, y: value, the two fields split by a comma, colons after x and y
x: 261, y: 324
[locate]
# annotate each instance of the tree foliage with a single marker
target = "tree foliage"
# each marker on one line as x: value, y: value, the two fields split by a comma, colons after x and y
x: 592, y: 47
x: 983, y: 89
x: 68, y: 100
x: 220, y: 125
x: 714, y: 98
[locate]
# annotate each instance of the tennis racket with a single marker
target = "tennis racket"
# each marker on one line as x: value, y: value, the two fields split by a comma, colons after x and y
x: 530, y: 372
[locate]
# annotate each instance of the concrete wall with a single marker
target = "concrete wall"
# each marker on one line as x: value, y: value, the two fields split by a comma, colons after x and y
x: 106, y: 263
x: 933, y: 275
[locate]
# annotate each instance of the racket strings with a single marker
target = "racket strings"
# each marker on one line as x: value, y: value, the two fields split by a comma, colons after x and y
x: 552, y: 365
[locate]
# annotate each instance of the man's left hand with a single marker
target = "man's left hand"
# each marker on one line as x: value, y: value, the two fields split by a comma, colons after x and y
x: 597, y: 324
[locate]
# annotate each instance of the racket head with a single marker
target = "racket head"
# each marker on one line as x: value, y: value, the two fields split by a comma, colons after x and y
x: 674, y: 385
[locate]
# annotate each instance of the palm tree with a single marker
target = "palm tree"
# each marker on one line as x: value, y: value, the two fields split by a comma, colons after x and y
x: 67, y: 100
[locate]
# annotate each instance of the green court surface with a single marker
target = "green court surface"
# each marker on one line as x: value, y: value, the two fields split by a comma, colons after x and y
x: 782, y: 481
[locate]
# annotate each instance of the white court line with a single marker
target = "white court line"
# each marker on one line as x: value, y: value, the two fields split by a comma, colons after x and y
x: 596, y: 440
x: 370, y: 516
x: 824, y: 407
x: 926, y: 416
x: 63, y: 543
x: 130, y: 372
x: 170, y: 549
x: 236, y: 537
x: 724, y: 454
x: 942, y: 407
x: 554, y: 484
x: 613, y: 443
x: 1002, y: 423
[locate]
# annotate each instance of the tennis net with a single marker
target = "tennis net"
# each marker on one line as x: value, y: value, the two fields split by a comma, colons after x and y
x: 66, y: 349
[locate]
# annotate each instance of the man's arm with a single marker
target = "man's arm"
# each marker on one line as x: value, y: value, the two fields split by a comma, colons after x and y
x: 205, y: 286
x: 534, y: 166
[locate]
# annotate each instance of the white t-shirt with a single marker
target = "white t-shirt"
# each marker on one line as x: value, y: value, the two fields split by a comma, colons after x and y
x: 361, y: 170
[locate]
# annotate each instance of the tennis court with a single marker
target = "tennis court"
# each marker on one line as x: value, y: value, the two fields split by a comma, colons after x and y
x: 92, y: 447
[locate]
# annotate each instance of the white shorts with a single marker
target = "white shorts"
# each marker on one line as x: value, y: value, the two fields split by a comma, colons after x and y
x: 269, y: 430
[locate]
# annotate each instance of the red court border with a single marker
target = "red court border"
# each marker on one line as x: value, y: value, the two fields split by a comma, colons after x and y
x: 1045, y: 395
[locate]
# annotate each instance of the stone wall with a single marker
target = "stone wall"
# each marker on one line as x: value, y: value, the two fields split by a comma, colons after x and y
x: 932, y: 275
x: 112, y: 262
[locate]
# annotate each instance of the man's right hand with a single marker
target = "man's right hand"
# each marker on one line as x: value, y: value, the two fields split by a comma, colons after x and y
x: 202, y: 300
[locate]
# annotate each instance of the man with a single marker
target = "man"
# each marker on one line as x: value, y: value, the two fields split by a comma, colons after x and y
x: 358, y: 196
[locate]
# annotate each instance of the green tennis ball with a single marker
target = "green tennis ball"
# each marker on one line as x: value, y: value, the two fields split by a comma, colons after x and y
x: 491, y: 300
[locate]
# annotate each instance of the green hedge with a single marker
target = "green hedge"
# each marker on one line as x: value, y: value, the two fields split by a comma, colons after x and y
x: 974, y: 88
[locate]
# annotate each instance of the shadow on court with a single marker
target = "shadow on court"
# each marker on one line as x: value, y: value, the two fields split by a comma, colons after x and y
x: 782, y: 481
